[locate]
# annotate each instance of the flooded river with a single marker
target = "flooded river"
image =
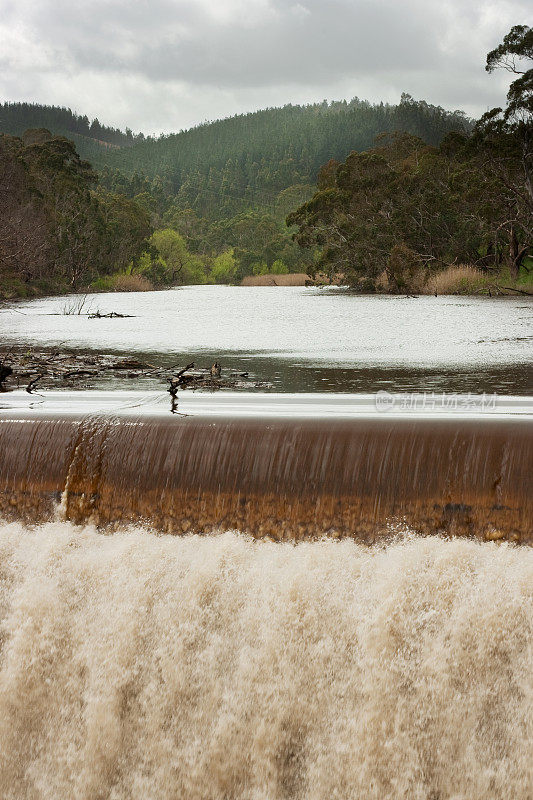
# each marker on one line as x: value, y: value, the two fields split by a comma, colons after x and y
x: 297, y: 339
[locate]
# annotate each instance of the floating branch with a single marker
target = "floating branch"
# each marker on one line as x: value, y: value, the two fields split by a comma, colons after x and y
x: 33, y: 384
x: 112, y: 315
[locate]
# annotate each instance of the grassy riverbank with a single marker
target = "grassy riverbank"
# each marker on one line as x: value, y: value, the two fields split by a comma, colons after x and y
x: 463, y: 279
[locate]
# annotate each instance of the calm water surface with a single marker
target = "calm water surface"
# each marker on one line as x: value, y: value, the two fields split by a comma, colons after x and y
x: 301, y: 339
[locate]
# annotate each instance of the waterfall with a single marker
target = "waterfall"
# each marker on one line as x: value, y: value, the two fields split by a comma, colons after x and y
x: 285, y: 478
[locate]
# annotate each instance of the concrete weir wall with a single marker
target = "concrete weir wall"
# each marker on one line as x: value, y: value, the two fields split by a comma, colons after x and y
x: 285, y: 478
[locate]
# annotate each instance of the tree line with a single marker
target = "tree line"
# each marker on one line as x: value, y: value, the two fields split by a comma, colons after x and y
x: 229, y: 185
x: 403, y: 209
x: 61, y: 231
x: 226, y: 167
x: 15, y: 118
x: 58, y: 231
x: 204, y: 205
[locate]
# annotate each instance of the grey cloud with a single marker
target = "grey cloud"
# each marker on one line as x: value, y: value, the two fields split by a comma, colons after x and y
x: 307, y: 42
x: 272, y: 48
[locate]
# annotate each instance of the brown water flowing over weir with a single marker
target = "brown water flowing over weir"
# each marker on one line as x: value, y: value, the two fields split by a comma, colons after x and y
x: 286, y: 477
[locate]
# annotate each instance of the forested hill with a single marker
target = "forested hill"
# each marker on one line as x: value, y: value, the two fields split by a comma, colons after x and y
x: 221, y: 168
x: 90, y: 137
x: 225, y: 167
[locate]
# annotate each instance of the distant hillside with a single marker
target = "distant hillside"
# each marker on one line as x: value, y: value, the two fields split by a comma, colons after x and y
x: 91, y: 137
x: 233, y: 165
x: 222, y: 168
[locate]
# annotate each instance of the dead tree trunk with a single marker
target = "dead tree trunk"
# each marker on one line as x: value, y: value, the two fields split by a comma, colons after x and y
x: 513, y: 253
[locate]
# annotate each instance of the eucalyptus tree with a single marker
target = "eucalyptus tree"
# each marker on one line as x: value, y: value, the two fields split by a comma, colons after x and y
x: 505, y: 139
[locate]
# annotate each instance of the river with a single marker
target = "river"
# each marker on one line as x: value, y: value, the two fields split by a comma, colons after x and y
x: 298, y: 339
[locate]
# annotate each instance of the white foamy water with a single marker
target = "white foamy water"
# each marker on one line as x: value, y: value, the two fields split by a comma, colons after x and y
x: 138, y: 666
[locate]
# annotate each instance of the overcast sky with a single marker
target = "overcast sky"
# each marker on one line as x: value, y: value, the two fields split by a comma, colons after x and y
x: 162, y: 65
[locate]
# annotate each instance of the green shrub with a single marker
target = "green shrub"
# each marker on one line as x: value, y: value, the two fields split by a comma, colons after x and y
x: 224, y: 268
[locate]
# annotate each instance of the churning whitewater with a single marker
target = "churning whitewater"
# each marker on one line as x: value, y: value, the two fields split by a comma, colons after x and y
x: 141, y: 666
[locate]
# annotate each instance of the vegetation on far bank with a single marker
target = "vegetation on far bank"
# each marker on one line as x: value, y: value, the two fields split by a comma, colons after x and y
x: 434, y: 204
x: 398, y: 215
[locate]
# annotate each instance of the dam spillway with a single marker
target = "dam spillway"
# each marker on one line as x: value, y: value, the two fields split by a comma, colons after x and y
x: 277, y: 466
x: 216, y: 666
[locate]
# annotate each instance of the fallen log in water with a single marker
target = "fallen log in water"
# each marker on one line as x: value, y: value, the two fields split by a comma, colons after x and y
x: 79, y: 370
x: 282, y: 477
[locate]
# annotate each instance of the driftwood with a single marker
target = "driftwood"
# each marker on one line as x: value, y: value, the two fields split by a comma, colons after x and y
x: 513, y: 289
x: 130, y: 363
x: 112, y: 315
x: 78, y: 373
x: 180, y: 380
x: 33, y: 384
x: 59, y: 369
